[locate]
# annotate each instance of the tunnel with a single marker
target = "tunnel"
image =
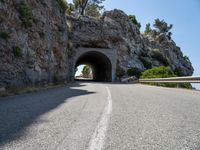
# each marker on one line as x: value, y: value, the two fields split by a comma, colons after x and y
x: 100, y: 64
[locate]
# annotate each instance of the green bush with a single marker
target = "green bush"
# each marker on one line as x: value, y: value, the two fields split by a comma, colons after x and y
x: 4, y: 35
x: 178, y: 72
x: 185, y: 85
x: 147, y: 29
x: 17, y: 51
x: 42, y: 35
x: 26, y: 14
x: 63, y: 5
x: 159, y: 72
x: 133, y: 19
x: 93, y: 10
x: 134, y: 72
x: 163, y: 72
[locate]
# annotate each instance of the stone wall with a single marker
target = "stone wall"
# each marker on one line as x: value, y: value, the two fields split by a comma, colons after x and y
x: 33, y: 42
x: 115, y: 31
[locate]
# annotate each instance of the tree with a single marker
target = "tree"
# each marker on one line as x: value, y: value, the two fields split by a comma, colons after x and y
x: 86, y: 71
x: 93, y: 10
x: 147, y: 29
x: 169, y: 35
x: 162, y: 26
x: 133, y: 19
x: 70, y: 8
x: 63, y: 4
x: 66, y: 7
x: 82, y: 5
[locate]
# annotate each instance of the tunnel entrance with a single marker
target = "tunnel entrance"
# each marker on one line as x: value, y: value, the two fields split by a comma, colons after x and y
x: 100, y: 64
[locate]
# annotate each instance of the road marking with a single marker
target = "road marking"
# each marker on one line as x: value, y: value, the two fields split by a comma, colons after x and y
x: 97, y: 141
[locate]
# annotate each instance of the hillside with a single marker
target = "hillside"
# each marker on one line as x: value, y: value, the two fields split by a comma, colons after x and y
x: 38, y: 41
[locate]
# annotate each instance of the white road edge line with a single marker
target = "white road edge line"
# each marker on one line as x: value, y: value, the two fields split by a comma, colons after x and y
x: 97, y: 140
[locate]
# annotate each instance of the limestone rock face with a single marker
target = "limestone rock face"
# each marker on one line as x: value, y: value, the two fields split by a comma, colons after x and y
x: 114, y: 30
x: 37, y: 41
x: 37, y: 53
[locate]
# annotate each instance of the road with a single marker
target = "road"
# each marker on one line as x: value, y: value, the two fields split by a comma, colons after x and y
x: 93, y: 116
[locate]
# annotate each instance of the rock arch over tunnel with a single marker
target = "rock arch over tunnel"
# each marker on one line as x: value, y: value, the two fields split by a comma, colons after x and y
x: 102, y: 62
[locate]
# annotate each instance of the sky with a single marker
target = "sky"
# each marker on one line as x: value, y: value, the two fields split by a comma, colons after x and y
x: 183, y: 14
x: 79, y: 70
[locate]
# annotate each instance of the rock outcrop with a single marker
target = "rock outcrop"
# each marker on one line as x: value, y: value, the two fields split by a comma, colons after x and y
x: 114, y: 30
x: 33, y: 42
x: 37, y: 41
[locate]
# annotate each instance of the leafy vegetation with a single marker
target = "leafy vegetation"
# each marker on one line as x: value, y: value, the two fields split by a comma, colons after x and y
x: 178, y: 72
x: 26, y: 14
x: 93, y: 10
x: 17, y: 51
x: 187, y: 58
x: 70, y: 8
x: 63, y: 4
x: 134, y: 72
x: 163, y: 72
x: 4, y: 35
x: 158, y: 72
x: 162, y: 26
x: 133, y: 19
x: 86, y: 71
x: 88, y: 7
x: 42, y: 35
x: 147, y: 29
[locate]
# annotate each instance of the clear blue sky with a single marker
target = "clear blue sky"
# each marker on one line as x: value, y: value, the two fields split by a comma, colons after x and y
x: 183, y: 14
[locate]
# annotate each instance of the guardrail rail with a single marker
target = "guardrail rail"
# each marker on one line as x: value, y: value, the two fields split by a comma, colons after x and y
x: 189, y: 79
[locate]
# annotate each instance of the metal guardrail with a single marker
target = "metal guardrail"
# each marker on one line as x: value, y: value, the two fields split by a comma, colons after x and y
x: 189, y: 79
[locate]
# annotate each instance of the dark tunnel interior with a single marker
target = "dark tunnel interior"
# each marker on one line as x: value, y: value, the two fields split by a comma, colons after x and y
x: 100, y: 64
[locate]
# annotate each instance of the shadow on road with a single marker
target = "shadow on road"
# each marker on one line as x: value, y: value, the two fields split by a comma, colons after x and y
x: 19, y: 112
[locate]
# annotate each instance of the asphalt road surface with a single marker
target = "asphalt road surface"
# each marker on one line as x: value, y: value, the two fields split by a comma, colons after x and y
x: 94, y: 116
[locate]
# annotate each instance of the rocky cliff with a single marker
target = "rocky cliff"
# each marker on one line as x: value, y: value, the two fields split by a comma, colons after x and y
x: 114, y: 30
x: 37, y: 41
x: 33, y: 42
